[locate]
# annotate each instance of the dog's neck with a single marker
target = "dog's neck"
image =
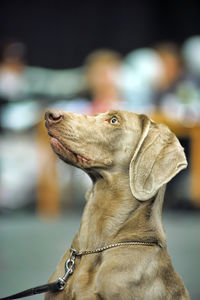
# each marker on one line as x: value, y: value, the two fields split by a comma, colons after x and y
x: 112, y: 214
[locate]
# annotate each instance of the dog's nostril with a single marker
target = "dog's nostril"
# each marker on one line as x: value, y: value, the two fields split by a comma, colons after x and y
x: 53, y: 116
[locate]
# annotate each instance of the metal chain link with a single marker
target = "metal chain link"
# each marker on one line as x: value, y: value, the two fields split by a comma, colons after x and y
x: 85, y: 252
x: 69, y: 269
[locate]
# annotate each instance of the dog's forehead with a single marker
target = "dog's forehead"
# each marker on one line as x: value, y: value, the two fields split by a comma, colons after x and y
x: 130, y: 117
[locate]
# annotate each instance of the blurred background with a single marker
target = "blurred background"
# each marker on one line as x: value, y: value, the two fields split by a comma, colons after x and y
x: 89, y: 57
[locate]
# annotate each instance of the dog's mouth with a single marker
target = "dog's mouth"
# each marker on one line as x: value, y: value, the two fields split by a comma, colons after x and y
x: 69, y: 156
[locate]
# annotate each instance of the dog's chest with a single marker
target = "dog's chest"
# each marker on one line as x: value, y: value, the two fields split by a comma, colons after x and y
x: 83, y: 283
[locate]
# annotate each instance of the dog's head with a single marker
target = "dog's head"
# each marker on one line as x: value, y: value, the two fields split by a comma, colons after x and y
x: 118, y: 142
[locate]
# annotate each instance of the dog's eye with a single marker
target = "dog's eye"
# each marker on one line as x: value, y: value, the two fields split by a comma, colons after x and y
x: 113, y: 120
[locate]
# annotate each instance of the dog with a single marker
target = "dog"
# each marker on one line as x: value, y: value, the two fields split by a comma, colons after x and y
x: 129, y: 159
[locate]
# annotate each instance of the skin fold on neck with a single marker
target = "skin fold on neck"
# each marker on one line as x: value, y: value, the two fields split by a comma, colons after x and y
x: 120, y: 221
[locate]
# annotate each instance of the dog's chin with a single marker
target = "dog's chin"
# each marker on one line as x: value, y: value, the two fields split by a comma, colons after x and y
x: 68, y: 156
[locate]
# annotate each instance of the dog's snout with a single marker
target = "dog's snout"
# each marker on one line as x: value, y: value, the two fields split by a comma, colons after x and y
x: 53, y: 116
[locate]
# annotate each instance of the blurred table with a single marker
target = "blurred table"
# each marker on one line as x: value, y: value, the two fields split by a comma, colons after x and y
x: 48, y: 195
x: 193, y: 134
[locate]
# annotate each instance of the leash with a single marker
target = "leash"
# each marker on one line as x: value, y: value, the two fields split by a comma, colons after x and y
x: 60, y: 283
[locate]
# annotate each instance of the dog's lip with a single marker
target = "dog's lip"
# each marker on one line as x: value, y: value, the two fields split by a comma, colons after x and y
x: 68, y: 153
x: 50, y: 134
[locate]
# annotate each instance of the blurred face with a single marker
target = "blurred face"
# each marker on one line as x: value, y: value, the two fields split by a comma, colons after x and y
x: 171, y: 66
x: 103, y: 75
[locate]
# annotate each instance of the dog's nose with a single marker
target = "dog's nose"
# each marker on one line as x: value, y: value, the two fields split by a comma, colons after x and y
x: 53, y: 116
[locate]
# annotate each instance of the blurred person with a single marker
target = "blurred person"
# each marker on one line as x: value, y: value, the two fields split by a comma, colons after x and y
x: 103, y: 73
x: 16, y: 147
x: 17, y: 79
x: 12, y: 65
x: 142, y: 70
x: 18, y: 109
x: 172, y: 62
x: 26, y: 90
x: 191, y: 55
x: 24, y: 93
x: 178, y: 95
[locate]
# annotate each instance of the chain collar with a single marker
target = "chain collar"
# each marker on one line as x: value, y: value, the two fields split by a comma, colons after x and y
x: 98, y: 250
x: 70, y: 263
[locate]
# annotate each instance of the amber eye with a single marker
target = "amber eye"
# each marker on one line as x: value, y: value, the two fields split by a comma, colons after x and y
x: 113, y: 120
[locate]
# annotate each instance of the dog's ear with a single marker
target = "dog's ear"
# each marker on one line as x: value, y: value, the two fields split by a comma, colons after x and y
x: 157, y: 159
